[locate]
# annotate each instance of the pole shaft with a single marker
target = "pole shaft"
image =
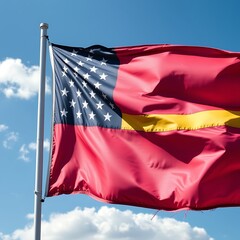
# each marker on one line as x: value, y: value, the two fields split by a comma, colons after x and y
x: 40, y: 134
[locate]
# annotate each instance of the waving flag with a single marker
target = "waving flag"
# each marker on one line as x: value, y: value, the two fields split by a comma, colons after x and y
x: 153, y: 126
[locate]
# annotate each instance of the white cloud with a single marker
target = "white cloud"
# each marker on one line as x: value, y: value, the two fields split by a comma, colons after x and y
x: 10, y: 139
x: 46, y: 145
x: 19, y: 80
x: 24, y: 153
x: 32, y: 146
x: 3, y: 127
x: 30, y: 216
x: 110, y: 224
x: 24, y: 150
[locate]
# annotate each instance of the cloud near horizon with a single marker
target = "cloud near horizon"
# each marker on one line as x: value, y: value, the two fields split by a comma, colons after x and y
x: 18, y: 80
x: 109, y: 223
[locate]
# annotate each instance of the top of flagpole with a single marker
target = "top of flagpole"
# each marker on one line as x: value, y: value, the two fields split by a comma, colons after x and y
x: 44, y: 26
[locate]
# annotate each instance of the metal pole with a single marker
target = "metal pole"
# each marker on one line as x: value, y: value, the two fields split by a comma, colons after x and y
x: 40, y: 134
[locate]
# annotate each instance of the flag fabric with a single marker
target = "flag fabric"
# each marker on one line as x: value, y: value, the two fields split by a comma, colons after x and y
x: 155, y: 126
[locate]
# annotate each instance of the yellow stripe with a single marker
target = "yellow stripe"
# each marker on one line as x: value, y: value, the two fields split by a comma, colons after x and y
x: 168, y: 122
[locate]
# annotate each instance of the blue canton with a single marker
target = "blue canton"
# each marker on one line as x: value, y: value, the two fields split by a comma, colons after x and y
x: 84, y: 82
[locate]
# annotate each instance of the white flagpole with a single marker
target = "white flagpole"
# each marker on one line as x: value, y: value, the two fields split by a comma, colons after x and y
x: 40, y: 134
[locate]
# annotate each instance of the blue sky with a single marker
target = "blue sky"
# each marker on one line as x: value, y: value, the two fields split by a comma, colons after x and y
x: 82, y: 23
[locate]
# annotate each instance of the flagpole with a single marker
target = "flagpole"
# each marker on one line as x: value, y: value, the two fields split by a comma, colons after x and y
x: 40, y: 134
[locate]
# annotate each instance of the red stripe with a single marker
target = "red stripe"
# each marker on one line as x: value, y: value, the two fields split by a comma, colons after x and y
x: 176, y: 79
x: 185, y: 169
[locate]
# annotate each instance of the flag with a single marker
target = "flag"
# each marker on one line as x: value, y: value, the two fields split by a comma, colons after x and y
x: 155, y: 126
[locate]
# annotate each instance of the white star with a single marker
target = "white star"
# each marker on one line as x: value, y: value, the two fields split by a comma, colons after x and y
x: 93, y: 69
x: 86, y: 76
x: 112, y: 105
x: 79, y: 114
x: 103, y: 76
x: 107, y: 117
x: 85, y: 104
x: 84, y: 84
x: 71, y: 83
x: 80, y: 63
x: 63, y: 113
x: 97, y: 85
x: 76, y: 69
x: 92, y: 94
x: 72, y: 103
x: 99, y: 105
x: 65, y: 68
x: 89, y: 58
x: 64, y: 74
x: 91, y: 115
x: 79, y: 93
x: 104, y: 95
x: 66, y: 61
x: 103, y: 62
x: 74, y: 52
x: 91, y: 51
x: 64, y: 92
